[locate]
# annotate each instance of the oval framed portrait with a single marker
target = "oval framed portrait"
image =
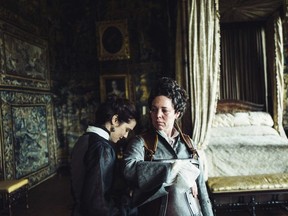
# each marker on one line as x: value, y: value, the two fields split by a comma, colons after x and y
x: 113, y: 41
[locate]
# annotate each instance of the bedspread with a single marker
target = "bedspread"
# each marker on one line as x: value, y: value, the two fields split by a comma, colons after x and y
x: 245, y: 145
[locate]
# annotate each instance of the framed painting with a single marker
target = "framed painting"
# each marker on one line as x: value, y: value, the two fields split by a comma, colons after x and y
x: 114, y: 86
x: 113, y: 40
x: 28, y: 136
x: 23, y: 59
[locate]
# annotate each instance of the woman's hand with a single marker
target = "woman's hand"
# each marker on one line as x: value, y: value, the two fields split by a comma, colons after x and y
x: 194, y: 190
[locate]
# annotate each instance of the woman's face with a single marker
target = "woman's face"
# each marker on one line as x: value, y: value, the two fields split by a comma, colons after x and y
x: 163, y: 114
x: 122, y: 130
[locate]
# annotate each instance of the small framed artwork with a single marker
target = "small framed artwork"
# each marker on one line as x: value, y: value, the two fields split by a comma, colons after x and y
x: 114, y: 86
x: 113, y: 40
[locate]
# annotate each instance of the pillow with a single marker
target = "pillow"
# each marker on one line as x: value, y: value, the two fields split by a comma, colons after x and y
x: 261, y: 118
x: 248, y: 131
x: 241, y: 119
x: 223, y: 120
x: 256, y: 118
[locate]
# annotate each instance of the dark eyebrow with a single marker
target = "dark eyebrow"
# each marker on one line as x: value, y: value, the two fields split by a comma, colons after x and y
x: 153, y: 106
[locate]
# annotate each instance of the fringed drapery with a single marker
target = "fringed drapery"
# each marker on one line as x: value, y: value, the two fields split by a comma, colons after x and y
x: 203, y: 55
x: 247, y: 11
x: 252, y: 65
x: 197, y: 65
x: 243, y: 62
x: 197, y: 62
x: 278, y: 76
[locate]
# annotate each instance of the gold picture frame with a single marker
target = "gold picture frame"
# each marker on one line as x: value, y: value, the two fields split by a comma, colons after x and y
x: 113, y: 40
x: 115, y: 85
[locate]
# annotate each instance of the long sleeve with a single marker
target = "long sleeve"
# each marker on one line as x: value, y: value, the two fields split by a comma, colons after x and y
x: 147, y: 176
x: 100, y: 161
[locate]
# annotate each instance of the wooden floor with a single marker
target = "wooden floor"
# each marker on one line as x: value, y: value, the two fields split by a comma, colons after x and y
x: 52, y: 198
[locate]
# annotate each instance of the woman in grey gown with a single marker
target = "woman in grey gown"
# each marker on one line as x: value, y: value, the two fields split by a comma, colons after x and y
x: 162, y: 164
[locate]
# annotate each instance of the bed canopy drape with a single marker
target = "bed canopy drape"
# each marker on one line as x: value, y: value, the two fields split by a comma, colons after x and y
x: 198, y: 56
x: 197, y: 63
x: 258, y: 76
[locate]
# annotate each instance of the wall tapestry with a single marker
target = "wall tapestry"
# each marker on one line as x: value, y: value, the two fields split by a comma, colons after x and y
x: 30, y: 139
x: 23, y: 59
x: 28, y: 134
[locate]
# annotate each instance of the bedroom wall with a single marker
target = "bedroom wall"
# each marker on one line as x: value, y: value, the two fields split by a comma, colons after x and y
x: 75, y: 72
x: 28, y: 138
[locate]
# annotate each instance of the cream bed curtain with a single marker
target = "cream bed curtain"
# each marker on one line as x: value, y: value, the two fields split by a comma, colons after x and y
x: 198, y: 60
x: 278, y: 74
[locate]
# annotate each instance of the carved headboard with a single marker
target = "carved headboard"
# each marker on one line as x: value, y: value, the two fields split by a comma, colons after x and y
x: 229, y: 105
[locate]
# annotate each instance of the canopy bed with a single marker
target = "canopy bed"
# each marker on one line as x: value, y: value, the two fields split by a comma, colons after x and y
x: 247, y: 138
x: 236, y: 89
x: 211, y: 70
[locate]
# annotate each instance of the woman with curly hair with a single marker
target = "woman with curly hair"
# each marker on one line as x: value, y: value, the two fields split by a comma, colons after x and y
x: 162, y: 164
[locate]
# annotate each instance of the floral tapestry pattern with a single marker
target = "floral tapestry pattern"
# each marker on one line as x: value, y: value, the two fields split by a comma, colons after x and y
x: 30, y: 139
x: 28, y: 134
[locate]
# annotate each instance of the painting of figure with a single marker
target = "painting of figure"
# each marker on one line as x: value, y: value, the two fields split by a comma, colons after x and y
x: 114, y: 86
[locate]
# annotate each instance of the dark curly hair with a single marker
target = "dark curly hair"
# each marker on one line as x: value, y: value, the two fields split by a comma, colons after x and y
x: 122, y: 107
x: 168, y: 87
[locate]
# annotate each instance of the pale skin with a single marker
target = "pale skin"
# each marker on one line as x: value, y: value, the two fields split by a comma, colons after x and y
x: 121, y: 130
x: 163, y: 116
